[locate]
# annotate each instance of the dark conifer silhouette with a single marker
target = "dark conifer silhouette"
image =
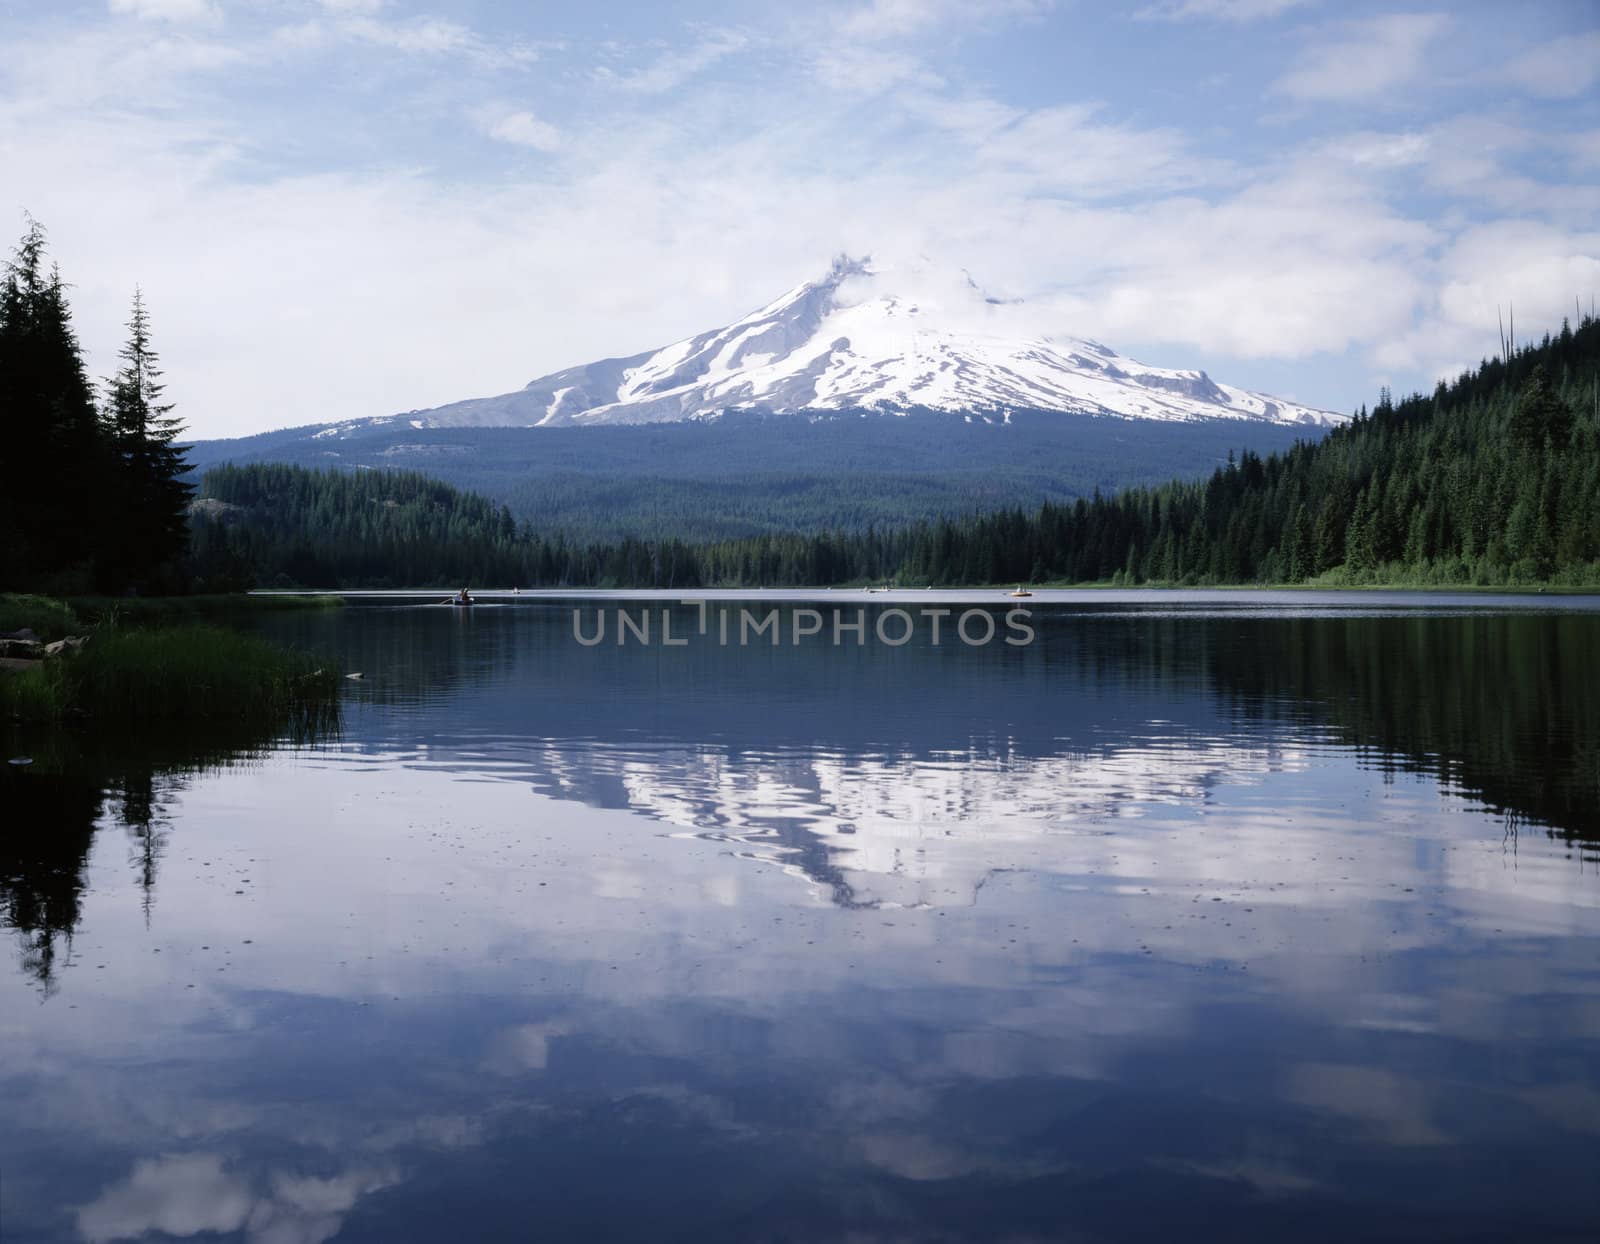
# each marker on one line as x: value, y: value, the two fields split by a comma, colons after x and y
x: 152, y: 530
x: 53, y: 460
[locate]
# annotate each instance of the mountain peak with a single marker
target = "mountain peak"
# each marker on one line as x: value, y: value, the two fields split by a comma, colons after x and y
x: 847, y: 266
x: 867, y: 336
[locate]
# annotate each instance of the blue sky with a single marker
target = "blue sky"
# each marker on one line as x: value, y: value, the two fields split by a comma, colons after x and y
x: 340, y: 208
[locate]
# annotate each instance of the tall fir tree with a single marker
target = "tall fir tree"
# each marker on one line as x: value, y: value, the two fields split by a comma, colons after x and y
x: 1540, y: 414
x: 53, y: 466
x: 153, y: 530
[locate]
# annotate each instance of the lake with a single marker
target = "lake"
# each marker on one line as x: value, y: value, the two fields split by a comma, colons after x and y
x: 1229, y: 915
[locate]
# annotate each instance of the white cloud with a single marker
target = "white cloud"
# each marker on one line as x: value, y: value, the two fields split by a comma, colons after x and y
x: 1067, y: 150
x: 353, y: 21
x: 1218, y: 10
x: 1302, y: 264
x: 847, y: 53
x: 522, y: 128
x: 167, y: 10
x: 105, y: 74
x: 1531, y: 265
x: 1481, y: 160
x: 430, y: 35
x: 892, y: 19
x: 1364, y: 59
x: 672, y: 69
x: 1379, y: 151
x: 869, y: 70
x: 1561, y: 69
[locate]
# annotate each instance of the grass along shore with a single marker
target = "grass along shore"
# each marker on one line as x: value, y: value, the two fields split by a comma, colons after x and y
x: 51, y: 617
x: 155, y: 662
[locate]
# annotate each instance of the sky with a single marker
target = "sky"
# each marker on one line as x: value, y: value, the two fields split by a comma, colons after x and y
x: 343, y: 208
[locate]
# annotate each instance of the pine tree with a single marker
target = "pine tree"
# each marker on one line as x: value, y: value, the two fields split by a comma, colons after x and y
x: 1360, y: 540
x: 1329, y: 545
x: 1540, y: 413
x: 154, y: 500
x: 52, y: 461
x: 1302, y: 545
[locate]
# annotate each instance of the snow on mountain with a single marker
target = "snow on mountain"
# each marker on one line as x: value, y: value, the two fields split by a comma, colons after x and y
x: 858, y: 338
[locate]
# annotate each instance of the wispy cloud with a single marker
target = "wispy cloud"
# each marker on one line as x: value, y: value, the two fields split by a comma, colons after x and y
x: 863, y: 51
x: 1074, y: 151
x: 522, y: 129
x: 1369, y: 149
x: 1364, y: 59
x: 167, y: 10
x: 1218, y: 10
x: 892, y: 19
x: 355, y: 22
x: 434, y: 36
x: 1487, y: 162
x: 870, y: 70
x: 101, y: 71
x: 1561, y: 69
x: 672, y: 69
x: 1585, y: 149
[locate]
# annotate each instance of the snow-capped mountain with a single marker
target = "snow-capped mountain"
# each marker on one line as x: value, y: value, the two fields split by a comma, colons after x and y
x: 856, y: 339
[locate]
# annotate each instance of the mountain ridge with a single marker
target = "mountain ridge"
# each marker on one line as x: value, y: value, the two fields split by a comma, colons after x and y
x: 859, y: 399
x: 853, y: 340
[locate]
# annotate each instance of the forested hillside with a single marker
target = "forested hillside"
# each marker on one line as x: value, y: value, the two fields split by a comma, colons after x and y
x: 1494, y: 479
x: 748, y: 474
x: 287, y: 525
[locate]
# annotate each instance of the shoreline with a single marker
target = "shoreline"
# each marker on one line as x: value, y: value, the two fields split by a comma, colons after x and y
x: 992, y: 594
x: 170, y: 658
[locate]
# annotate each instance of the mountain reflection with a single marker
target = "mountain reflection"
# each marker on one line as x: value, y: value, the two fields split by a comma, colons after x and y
x: 902, y: 776
x: 894, y: 777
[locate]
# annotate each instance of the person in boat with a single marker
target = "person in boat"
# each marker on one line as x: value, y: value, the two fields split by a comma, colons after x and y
x: 463, y: 597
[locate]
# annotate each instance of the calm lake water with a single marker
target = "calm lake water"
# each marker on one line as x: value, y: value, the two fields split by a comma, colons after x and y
x: 1228, y: 916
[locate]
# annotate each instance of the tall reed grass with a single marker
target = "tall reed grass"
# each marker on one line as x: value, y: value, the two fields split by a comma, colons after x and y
x: 164, y: 610
x: 45, y: 616
x: 192, y: 670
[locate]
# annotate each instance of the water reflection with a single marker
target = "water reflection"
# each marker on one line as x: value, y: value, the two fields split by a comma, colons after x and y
x: 1167, y: 922
x: 831, y: 759
x: 67, y: 784
x: 194, y: 1194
